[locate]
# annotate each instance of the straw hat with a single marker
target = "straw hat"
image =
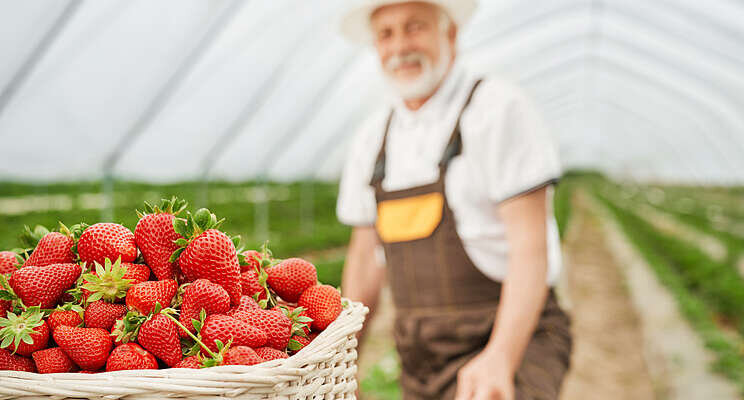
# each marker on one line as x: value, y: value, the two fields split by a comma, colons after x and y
x: 355, y: 23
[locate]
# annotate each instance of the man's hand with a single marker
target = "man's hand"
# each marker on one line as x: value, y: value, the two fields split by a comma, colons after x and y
x: 488, y: 376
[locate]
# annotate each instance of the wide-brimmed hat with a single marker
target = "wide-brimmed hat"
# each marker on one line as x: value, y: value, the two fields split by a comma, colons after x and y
x: 355, y: 24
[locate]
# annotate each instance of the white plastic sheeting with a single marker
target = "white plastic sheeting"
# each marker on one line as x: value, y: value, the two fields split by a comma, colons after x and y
x: 234, y: 89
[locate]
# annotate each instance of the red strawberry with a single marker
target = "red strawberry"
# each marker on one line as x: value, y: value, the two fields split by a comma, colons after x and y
x: 53, y: 360
x: 130, y: 356
x: 202, y: 295
x: 137, y: 273
x: 5, y: 306
x: 251, y: 286
x: 189, y: 362
x: 208, y: 253
x: 246, y: 303
x: 111, y: 281
x: 224, y: 328
x: 291, y: 277
x: 252, y: 261
x: 101, y: 314
x: 159, y: 335
x: 241, y: 355
x: 8, y: 262
x: 277, y: 326
x: 14, y: 362
x: 143, y: 296
x: 270, y: 353
x: 156, y: 238
x: 50, y: 247
x: 89, y: 348
x: 25, y: 333
x: 63, y: 317
x: 106, y: 240
x: 43, y: 286
x: 323, y: 304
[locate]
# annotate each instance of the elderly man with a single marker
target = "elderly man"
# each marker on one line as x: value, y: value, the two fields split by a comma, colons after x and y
x: 454, y: 181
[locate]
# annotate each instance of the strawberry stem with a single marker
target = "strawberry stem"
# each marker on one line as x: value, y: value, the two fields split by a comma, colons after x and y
x: 204, y: 346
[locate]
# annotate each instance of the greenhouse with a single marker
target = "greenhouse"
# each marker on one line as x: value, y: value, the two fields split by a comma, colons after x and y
x: 252, y: 109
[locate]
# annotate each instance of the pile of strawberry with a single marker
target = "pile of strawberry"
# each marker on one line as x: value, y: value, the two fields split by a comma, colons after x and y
x: 176, y: 293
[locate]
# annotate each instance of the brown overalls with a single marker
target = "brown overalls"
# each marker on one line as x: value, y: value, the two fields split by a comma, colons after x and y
x: 445, y: 307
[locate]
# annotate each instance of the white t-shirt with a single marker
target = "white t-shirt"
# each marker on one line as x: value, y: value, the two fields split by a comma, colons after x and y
x: 506, y: 152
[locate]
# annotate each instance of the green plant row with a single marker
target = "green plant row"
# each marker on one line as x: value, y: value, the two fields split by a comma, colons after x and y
x: 719, y: 285
x: 734, y: 244
x: 695, y: 217
x: 699, y: 292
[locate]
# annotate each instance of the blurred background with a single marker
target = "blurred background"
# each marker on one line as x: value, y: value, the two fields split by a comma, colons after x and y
x: 247, y: 107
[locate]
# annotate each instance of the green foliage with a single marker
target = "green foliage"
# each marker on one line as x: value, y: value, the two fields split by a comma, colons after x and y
x: 562, y: 204
x: 381, y: 382
x: 704, y: 290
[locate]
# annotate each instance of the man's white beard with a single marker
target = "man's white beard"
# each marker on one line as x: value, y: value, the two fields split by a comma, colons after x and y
x: 431, y: 75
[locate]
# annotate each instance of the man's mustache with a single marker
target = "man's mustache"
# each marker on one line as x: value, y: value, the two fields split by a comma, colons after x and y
x: 397, y: 60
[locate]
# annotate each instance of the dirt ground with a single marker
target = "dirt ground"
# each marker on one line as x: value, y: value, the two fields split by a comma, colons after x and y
x: 607, y: 361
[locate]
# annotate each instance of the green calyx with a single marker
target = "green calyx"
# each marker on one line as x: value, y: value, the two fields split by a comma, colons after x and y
x: 173, y: 206
x: 299, y: 322
x: 190, y: 346
x: 192, y: 226
x: 126, y: 329
x: 216, y: 359
x: 15, y: 329
x: 265, y: 262
x: 74, y: 232
x: 6, y: 292
x: 30, y: 238
x: 107, y: 283
x: 67, y: 307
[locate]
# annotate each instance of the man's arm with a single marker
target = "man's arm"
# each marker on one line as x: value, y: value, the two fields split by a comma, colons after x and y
x: 363, y: 276
x: 490, y: 375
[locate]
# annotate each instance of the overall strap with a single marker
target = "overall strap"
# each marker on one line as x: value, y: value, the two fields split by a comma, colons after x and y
x: 378, y: 173
x: 454, y: 147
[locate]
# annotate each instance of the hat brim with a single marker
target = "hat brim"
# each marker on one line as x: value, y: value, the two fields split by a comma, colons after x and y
x: 355, y: 24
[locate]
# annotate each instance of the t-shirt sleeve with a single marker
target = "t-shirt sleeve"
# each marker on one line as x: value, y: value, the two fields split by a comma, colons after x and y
x: 524, y: 156
x: 356, y: 205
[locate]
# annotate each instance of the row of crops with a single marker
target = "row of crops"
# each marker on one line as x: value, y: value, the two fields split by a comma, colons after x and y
x: 709, y: 290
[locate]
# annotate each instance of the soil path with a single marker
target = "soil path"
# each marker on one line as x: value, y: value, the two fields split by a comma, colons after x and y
x: 607, y: 361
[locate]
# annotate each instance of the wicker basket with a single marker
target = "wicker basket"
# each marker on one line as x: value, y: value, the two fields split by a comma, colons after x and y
x: 325, y: 369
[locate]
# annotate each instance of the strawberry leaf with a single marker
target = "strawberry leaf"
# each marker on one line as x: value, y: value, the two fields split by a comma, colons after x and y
x: 174, y: 257
x: 294, y: 345
x: 180, y: 226
x: 203, y: 218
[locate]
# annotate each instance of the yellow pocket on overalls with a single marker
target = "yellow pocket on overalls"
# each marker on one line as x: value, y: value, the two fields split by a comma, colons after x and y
x: 409, y: 218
